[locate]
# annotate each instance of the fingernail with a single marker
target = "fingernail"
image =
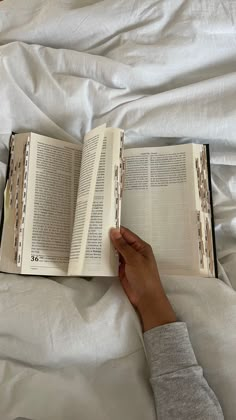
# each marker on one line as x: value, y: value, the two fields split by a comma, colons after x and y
x: 115, y: 233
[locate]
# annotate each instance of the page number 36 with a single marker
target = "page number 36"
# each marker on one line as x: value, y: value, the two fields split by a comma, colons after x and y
x: 34, y: 258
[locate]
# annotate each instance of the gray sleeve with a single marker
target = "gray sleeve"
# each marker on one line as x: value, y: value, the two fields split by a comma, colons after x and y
x: 180, y: 390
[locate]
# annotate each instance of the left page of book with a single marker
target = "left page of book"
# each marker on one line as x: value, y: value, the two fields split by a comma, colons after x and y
x: 12, y: 211
x: 52, y: 185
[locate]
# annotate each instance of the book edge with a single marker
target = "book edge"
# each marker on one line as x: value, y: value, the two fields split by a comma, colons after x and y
x: 212, y: 210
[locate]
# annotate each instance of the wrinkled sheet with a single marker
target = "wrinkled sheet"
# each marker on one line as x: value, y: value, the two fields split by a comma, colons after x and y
x: 165, y: 72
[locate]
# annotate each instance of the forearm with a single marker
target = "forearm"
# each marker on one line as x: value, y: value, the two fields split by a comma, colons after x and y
x: 180, y: 390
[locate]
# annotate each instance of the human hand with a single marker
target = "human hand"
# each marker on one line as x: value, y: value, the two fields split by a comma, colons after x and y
x: 140, y: 279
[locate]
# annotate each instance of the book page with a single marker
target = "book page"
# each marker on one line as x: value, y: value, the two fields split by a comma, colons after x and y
x: 91, y: 251
x: 100, y: 257
x: 92, y: 150
x: 53, y: 174
x: 159, y: 205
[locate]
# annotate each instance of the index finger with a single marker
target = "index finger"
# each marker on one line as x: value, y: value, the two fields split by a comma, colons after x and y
x: 134, y: 240
x: 123, y: 247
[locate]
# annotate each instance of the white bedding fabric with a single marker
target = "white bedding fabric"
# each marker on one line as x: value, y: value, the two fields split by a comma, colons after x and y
x: 165, y: 72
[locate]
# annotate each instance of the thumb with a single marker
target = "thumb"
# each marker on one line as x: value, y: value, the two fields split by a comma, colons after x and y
x: 127, y: 252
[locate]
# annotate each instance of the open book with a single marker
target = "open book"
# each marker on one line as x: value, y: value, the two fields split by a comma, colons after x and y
x: 61, y: 199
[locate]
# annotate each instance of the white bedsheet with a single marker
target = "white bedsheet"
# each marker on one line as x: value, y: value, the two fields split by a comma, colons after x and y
x: 165, y: 72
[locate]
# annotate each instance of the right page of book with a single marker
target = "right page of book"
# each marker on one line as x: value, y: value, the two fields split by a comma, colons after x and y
x: 159, y: 204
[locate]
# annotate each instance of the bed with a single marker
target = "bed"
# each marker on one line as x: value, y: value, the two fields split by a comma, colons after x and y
x: 165, y: 72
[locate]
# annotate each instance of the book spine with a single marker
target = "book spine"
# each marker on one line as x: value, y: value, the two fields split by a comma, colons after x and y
x: 9, y: 174
x: 17, y: 171
x: 119, y: 182
x: 117, y: 197
x: 11, y: 169
x: 122, y: 165
x: 205, y: 228
x: 200, y: 240
x: 212, y: 220
x: 14, y: 182
x: 23, y: 203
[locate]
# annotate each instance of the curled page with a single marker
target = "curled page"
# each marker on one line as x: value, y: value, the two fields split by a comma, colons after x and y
x: 92, y: 150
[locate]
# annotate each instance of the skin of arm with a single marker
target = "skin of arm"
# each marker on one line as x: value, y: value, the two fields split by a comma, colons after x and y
x: 180, y: 389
